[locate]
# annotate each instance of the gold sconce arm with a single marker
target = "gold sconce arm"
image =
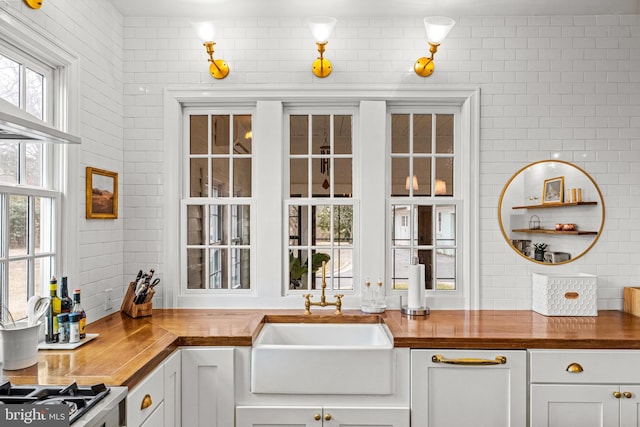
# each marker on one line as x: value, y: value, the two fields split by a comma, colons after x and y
x: 321, y: 67
x: 219, y: 68
x: 424, y: 66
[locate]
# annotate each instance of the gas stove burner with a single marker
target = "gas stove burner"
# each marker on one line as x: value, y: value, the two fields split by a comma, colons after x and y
x: 79, y: 399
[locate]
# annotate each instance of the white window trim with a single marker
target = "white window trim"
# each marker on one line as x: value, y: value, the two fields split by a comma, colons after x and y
x: 269, y: 101
x: 17, y: 32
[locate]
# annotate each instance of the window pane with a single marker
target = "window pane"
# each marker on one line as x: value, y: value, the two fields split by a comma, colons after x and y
x: 343, y: 224
x: 43, y: 233
x: 18, y: 223
x: 299, y: 178
x: 33, y: 163
x: 422, y: 133
x: 199, y: 177
x: 401, y: 259
x: 422, y: 172
x: 18, y: 289
x: 242, y: 135
x: 218, y: 277
x: 195, y: 268
x: 240, y: 226
x: 34, y: 96
x: 198, y: 135
x: 446, y: 225
x: 400, y: 133
x: 240, y: 269
x: 446, y: 267
x: 298, y: 225
x: 10, y: 81
x: 343, y: 177
x: 317, y: 257
x: 220, y: 134
x: 444, y: 133
x: 342, y: 269
x: 9, y: 163
x: 43, y: 271
x: 195, y: 228
x: 220, y: 177
x: 423, y: 225
x: 400, y: 231
x: 342, y: 134
x: 320, y: 186
x: 241, y: 177
x: 218, y: 225
x: 299, y: 135
x: 425, y: 257
x: 320, y: 143
x: 322, y: 234
x: 298, y: 274
x: 444, y: 177
x: 400, y: 180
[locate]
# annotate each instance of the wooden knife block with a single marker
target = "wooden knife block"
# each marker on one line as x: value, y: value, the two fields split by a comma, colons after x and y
x: 136, y: 310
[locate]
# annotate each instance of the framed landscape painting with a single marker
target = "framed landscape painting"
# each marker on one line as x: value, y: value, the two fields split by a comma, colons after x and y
x: 553, y: 190
x: 102, y: 194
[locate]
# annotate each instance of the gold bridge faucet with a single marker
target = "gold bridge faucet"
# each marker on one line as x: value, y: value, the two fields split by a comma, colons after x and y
x: 323, y: 300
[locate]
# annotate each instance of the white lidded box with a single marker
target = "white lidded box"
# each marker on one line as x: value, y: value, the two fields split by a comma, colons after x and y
x: 565, y: 295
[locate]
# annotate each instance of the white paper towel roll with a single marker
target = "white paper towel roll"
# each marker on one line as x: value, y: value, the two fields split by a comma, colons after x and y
x: 416, y: 279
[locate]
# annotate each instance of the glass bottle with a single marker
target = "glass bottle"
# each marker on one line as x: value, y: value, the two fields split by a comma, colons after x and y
x: 66, y: 304
x: 51, y: 335
x: 379, y: 299
x: 367, y: 295
x: 77, y: 308
x: 63, y: 327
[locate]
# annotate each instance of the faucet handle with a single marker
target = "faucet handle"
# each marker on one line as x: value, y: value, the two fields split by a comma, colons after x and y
x: 338, y: 298
x: 307, y: 303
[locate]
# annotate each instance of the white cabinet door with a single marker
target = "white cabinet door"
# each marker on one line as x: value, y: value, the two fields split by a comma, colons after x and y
x: 156, y: 418
x: 172, y: 390
x: 459, y: 394
x: 279, y: 416
x: 580, y: 405
x: 365, y: 417
x: 208, y: 392
x: 630, y: 406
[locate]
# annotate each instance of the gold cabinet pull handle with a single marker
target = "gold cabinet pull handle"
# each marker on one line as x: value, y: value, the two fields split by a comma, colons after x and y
x: 317, y: 417
x: 146, y: 402
x: 627, y: 394
x: 499, y: 360
x: 574, y: 368
x: 327, y: 417
x: 617, y: 394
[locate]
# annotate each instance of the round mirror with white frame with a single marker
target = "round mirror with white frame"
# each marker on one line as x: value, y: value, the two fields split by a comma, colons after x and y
x: 551, y: 212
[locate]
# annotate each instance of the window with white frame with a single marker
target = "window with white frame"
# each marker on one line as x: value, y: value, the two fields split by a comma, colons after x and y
x: 29, y: 201
x: 424, y: 203
x: 217, y: 200
x: 320, y: 205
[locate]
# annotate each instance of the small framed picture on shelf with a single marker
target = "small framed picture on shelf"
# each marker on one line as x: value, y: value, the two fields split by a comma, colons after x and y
x: 102, y: 194
x: 553, y: 190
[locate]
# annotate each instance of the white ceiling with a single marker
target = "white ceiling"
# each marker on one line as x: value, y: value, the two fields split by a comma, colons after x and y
x: 304, y: 8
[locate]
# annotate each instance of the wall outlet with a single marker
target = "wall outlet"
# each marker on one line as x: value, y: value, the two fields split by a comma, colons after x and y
x: 108, y: 303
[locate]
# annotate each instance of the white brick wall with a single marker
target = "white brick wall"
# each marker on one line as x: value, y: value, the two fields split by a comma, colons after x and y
x: 92, y: 29
x: 552, y: 87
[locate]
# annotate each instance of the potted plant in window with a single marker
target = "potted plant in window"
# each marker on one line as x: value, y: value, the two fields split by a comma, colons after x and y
x: 298, y: 269
x: 539, y: 251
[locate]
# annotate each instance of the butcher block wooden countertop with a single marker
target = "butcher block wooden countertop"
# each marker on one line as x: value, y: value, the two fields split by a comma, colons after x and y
x: 128, y: 349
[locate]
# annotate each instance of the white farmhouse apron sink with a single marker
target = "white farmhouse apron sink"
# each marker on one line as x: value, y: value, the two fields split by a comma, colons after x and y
x: 323, y: 358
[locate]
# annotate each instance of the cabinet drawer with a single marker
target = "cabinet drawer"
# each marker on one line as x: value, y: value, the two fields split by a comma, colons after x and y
x: 589, y: 366
x: 152, y: 387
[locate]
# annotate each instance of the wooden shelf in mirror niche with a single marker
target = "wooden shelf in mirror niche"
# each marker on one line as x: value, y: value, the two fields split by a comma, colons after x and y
x: 546, y: 231
x: 555, y: 205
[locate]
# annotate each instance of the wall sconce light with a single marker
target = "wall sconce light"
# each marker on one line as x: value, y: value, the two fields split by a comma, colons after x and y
x: 321, y: 27
x: 413, y: 182
x: 437, y: 28
x: 441, y: 187
x: 34, y: 4
x: 219, y: 68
